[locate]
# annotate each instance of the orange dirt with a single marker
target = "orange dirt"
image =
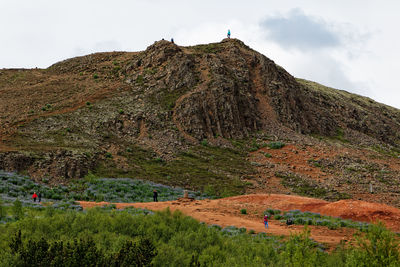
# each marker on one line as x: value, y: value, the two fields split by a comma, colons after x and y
x: 226, y: 212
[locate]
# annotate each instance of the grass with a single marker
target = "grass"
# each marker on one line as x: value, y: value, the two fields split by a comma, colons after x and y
x: 194, y: 169
x: 166, y: 98
x: 207, y: 48
x: 305, y: 187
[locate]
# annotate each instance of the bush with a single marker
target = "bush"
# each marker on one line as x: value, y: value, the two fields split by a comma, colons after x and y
x: 82, y: 252
x: 204, y: 142
x: 2, y: 210
x: 276, y: 145
x: 272, y: 212
x: 243, y: 211
x: 17, y: 209
x: 378, y: 247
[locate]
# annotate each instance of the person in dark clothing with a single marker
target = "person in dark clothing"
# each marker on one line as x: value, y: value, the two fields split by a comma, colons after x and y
x: 155, y: 195
x: 289, y: 221
x: 40, y: 196
x: 34, y: 196
x: 172, y: 40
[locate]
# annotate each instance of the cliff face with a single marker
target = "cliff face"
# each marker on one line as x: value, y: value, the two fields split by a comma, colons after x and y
x: 62, y: 120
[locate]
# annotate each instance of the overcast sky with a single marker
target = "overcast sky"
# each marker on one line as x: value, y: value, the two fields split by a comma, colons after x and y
x: 350, y: 45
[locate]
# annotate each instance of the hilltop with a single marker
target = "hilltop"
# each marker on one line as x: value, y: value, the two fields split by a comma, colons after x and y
x: 220, y: 117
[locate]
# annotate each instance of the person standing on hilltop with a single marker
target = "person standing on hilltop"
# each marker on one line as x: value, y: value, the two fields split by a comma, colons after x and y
x: 229, y: 34
x: 34, y: 196
x: 155, y: 195
x: 266, y: 220
x: 40, y: 196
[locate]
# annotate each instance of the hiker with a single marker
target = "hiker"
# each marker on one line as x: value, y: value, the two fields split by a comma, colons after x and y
x: 155, y: 195
x: 40, y: 196
x: 34, y: 196
x: 172, y: 40
x: 266, y: 220
x: 229, y: 34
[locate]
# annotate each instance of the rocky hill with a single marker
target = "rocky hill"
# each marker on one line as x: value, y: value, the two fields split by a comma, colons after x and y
x: 190, y: 116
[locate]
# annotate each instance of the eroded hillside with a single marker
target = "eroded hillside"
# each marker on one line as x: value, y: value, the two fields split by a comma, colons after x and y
x: 187, y: 116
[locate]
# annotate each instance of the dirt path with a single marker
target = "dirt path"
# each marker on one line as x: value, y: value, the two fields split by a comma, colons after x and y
x: 226, y: 212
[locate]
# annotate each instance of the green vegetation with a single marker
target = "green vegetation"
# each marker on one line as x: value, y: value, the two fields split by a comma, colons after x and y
x: 139, y: 80
x: 204, y: 142
x: 256, y: 146
x: 207, y: 48
x: 91, y: 188
x: 267, y: 155
x: 82, y: 252
x: 276, y: 145
x: 309, y: 188
x: 311, y: 218
x: 166, y: 98
x: 243, y: 211
x: 107, y: 235
x: 194, y: 169
x: 95, y: 76
x: 46, y: 107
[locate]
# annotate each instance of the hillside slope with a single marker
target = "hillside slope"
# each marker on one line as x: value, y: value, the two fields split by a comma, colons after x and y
x: 184, y: 116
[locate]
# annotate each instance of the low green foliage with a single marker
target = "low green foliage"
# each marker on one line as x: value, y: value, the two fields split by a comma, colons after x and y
x: 306, y: 187
x: 90, y: 188
x: 267, y: 155
x: 271, y: 212
x: 79, y: 252
x: 378, y: 247
x: 276, y: 145
x: 243, y: 211
x: 17, y: 209
x: 121, y: 238
x: 193, y: 169
x: 311, y: 218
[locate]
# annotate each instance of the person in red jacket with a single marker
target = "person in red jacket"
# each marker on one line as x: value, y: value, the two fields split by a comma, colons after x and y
x: 266, y: 220
x: 34, y: 196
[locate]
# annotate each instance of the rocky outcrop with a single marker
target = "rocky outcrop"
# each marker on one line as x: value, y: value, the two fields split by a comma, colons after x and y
x: 65, y: 164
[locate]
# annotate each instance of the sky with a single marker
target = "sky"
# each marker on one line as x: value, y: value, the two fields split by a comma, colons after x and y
x: 349, y: 45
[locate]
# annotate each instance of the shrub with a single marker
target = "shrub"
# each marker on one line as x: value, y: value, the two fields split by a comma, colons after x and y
x: 243, y: 211
x: 108, y: 155
x: 276, y: 145
x: 80, y: 252
x: 378, y: 247
x: 204, y: 142
x: 2, y: 210
x: 17, y: 209
x: 95, y: 76
x: 272, y: 212
x: 267, y: 155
